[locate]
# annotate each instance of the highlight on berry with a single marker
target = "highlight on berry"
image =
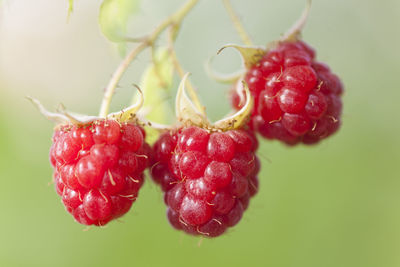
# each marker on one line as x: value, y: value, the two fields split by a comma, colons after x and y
x: 208, y: 172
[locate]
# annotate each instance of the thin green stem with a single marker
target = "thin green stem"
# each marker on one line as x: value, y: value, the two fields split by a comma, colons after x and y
x: 294, y: 32
x: 175, y: 19
x: 237, y: 24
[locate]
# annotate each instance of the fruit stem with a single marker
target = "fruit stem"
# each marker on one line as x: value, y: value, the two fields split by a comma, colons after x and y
x: 294, y: 32
x: 180, y: 70
x: 237, y: 24
x: 174, y: 19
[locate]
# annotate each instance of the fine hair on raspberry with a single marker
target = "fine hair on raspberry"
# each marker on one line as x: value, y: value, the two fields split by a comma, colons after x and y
x: 208, y: 177
x: 98, y: 168
x: 297, y: 99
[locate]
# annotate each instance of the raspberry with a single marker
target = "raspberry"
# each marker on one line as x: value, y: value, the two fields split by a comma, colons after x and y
x: 98, y: 168
x: 207, y: 177
x: 297, y: 99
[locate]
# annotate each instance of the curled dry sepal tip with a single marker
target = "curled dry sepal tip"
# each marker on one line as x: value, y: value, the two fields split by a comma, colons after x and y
x: 297, y: 99
x: 98, y: 162
x: 207, y: 171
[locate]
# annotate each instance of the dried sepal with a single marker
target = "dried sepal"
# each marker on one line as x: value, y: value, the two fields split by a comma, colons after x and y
x: 188, y: 114
x: 185, y: 109
x: 128, y: 114
x: 152, y: 125
x: 52, y: 116
x: 62, y: 116
x: 75, y: 118
x: 251, y: 55
x: 238, y: 119
x: 227, y: 78
x: 239, y: 91
x: 293, y: 34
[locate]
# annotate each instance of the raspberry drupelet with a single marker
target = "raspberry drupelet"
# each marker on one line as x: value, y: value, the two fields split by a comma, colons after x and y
x: 297, y: 99
x: 208, y: 177
x: 98, y: 168
x: 207, y: 171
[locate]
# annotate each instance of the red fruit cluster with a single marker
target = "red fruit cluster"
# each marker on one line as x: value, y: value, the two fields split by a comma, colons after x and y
x: 98, y: 169
x: 208, y: 178
x: 297, y: 99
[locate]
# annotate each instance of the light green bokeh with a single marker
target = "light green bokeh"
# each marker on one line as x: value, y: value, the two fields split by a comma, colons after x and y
x: 332, y: 205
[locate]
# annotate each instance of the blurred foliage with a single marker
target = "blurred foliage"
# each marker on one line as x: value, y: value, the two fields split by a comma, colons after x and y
x: 70, y: 7
x: 113, y: 19
x: 114, y: 16
x: 156, y: 84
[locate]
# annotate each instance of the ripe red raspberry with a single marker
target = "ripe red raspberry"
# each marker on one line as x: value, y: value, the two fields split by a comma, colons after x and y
x: 98, y: 168
x: 297, y: 99
x: 208, y: 177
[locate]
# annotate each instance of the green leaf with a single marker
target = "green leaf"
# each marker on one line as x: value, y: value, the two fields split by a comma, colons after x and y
x: 156, y: 84
x: 114, y: 16
x: 70, y: 7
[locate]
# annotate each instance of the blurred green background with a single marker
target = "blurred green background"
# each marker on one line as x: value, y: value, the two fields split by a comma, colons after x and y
x: 332, y: 205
